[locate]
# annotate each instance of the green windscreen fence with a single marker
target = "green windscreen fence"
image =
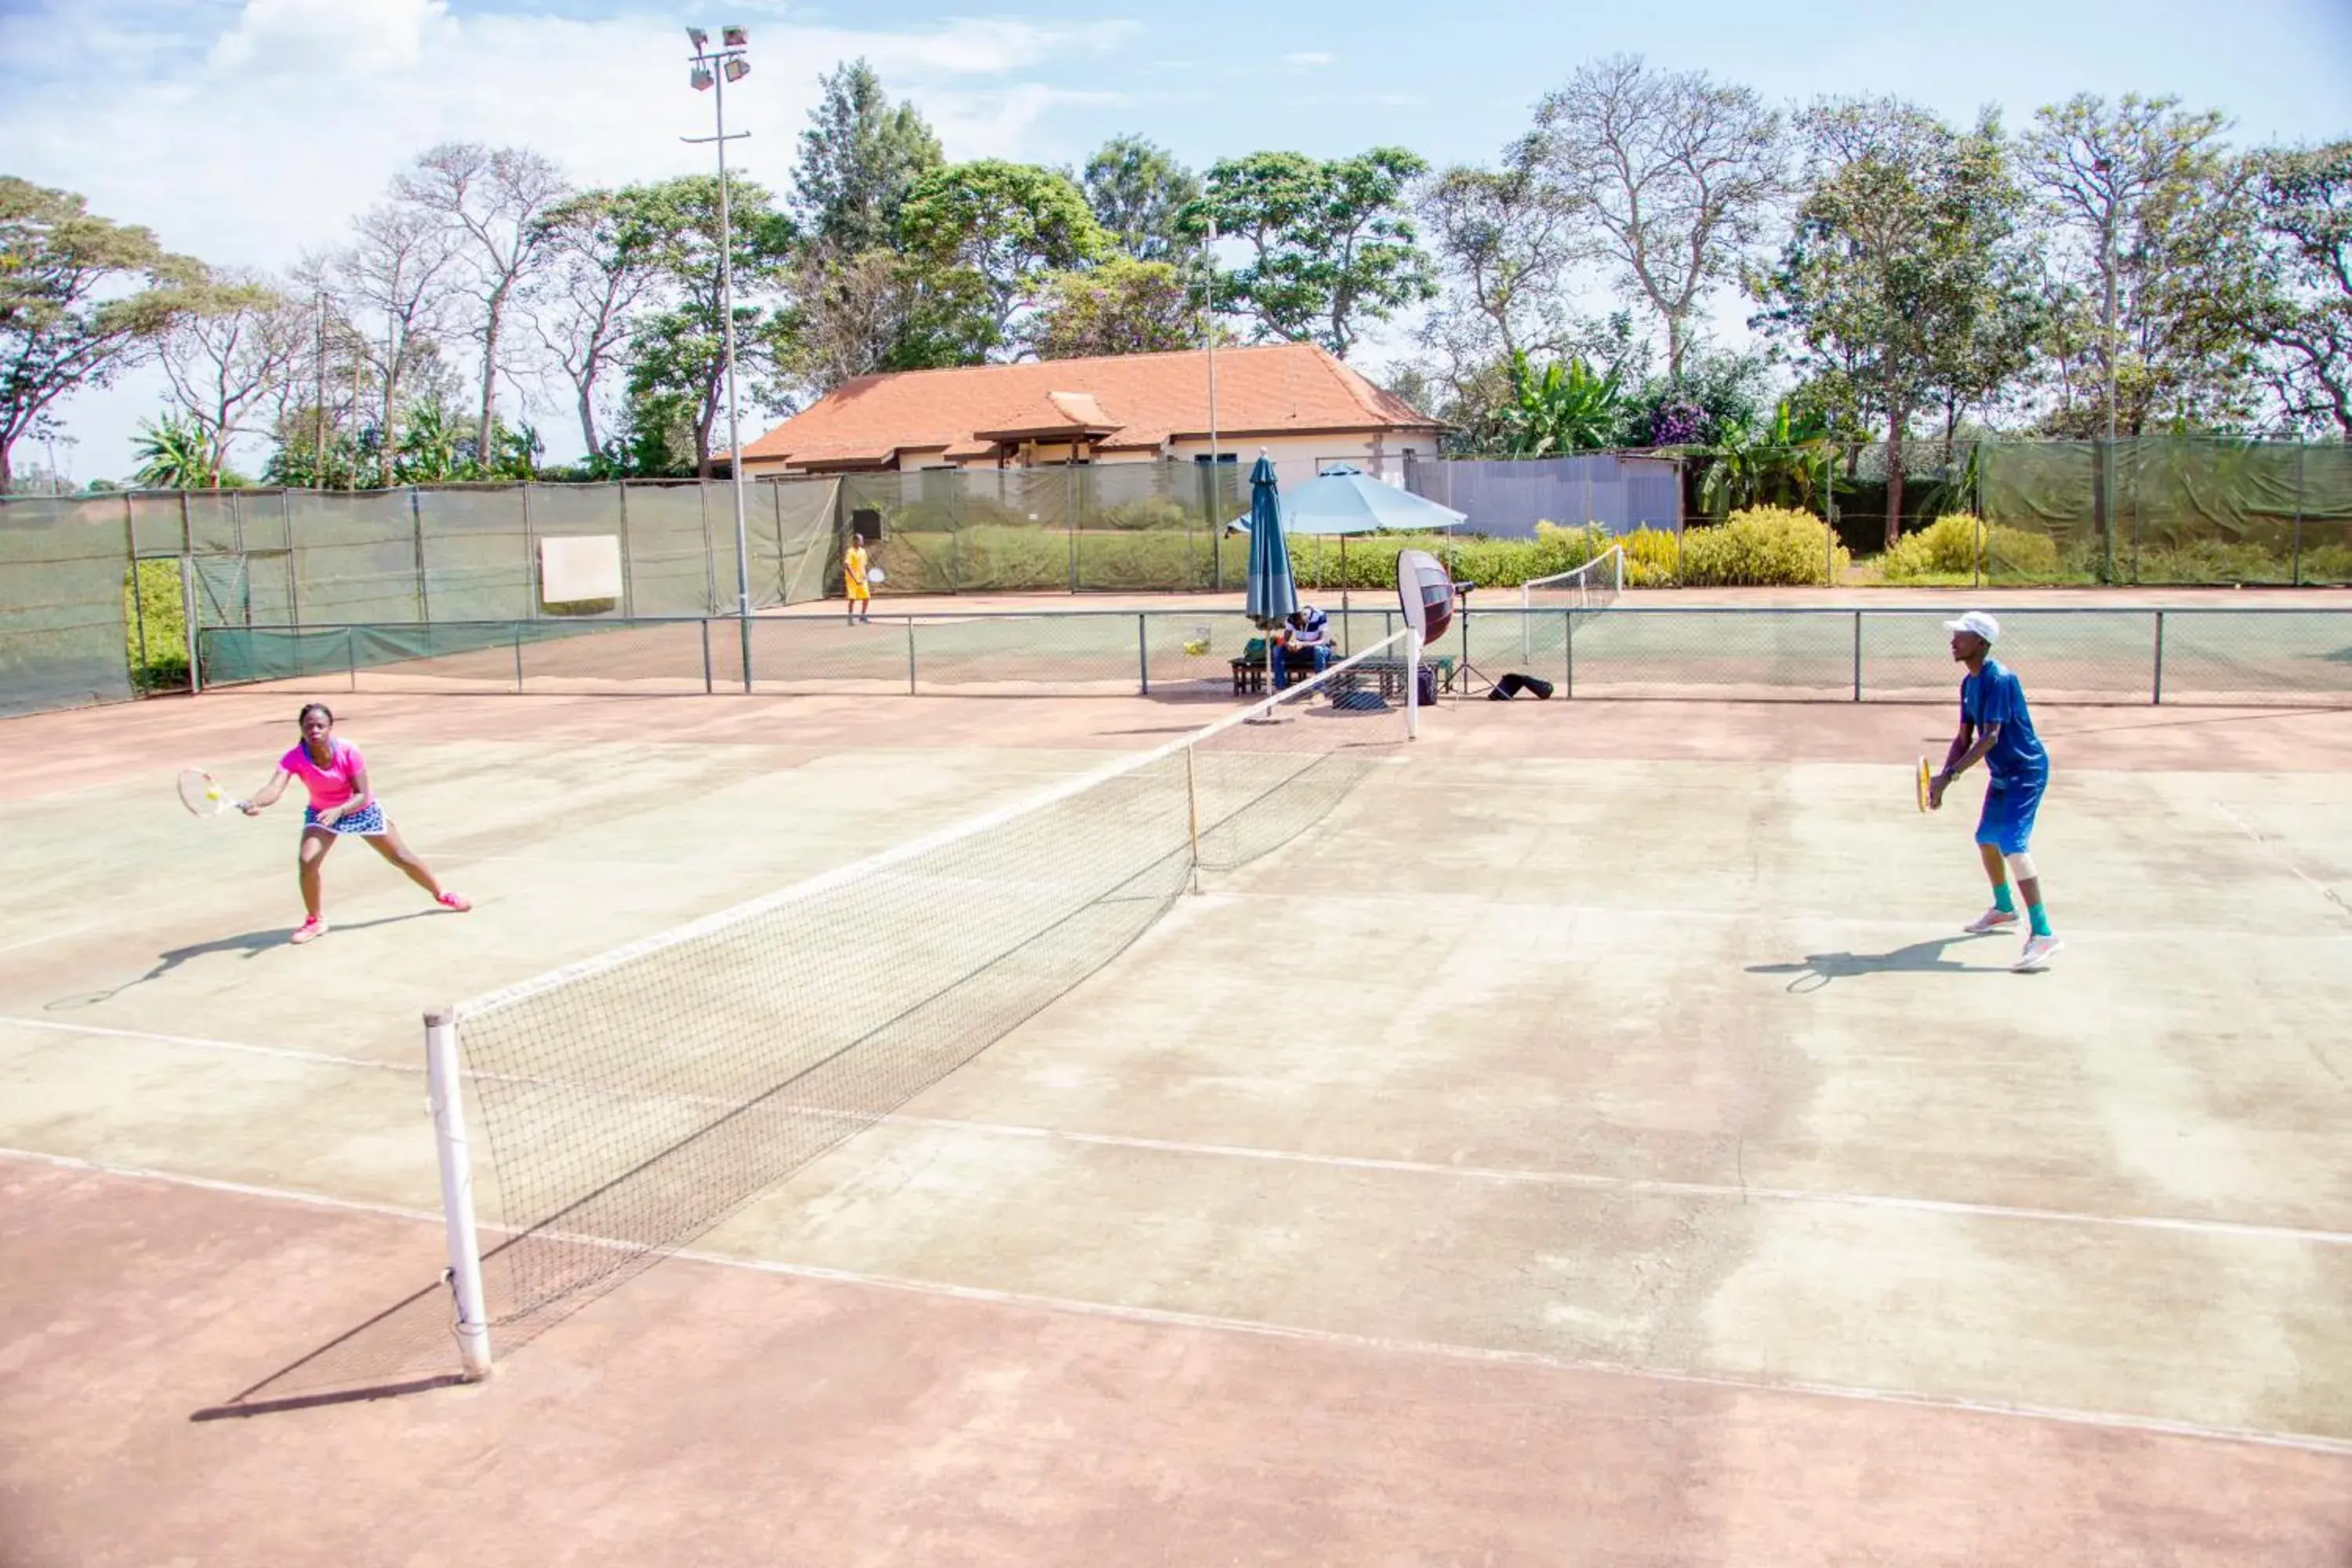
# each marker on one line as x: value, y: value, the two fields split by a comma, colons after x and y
x: 2170, y: 510
x: 63, y: 568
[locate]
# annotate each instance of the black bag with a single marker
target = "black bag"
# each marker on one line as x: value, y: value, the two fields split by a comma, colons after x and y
x: 1511, y: 685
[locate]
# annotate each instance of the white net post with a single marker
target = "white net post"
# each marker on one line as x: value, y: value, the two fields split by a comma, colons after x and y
x: 1412, y: 682
x: 456, y: 1191
x: 1193, y: 816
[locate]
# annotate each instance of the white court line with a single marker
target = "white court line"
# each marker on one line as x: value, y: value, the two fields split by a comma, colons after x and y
x: 45, y: 936
x: 1209, y: 1322
x: 1728, y: 1192
x: 2271, y: 849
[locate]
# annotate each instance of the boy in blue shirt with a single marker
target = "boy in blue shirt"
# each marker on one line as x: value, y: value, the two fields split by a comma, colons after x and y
x: 1996, y: 728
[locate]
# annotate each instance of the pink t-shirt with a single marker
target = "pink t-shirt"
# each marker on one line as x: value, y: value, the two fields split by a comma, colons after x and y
x: 333, y: 784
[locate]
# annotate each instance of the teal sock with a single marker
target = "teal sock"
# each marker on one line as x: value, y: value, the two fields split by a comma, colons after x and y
x: 2038, y: 919
x: 2002, y: 902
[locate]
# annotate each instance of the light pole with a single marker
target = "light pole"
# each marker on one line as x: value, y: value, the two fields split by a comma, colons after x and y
x: 2103, y: 168
x: 711, y: 70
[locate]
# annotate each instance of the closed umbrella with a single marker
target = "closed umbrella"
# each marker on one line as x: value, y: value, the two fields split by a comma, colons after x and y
x: 1273, y: 592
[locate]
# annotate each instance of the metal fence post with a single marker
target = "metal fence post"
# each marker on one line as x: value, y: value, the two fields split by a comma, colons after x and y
x: 1568, y: 639
x: 416, y: 528
x: 188, y: 618
x: 707, y: 687
x: 2156, y: 697
x: 745, y: 623
x: 518, y: 651
x: 628, y: 569
x: 2296, y: 577
x: 1143, y: 651
x: 1857, y: 655
x: 910, y: 656
x: 351, y: 658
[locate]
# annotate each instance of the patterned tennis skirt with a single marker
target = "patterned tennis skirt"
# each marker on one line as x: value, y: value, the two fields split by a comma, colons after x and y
x: 366, y: 824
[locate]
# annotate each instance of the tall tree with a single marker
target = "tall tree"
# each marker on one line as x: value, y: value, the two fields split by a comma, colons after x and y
x: 491, y: 199
x: 1333, y: 247
x: 604, y: 263
x: 1123, y: 307
x: 1908, y: 229
x: 233, y: 355
x: 1139, y: 193
x: 396, y: 282
x: 987, y: 234
x: 1677, y: 172
x: 2154, y: 216
x: 859, y: 158
x: 81, y: 299
x: 678, y: 358
x: 852, y: 314
x: 2303, y: 200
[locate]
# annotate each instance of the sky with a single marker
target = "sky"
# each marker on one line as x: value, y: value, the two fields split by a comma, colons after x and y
x: 247, y: 131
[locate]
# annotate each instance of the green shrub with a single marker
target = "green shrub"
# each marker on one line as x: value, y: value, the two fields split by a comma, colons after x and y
x: 1958, y: 546
x: 2206, y: 561
x: 1762, y: 546
x: 1153, y: 512
x: 2327, y: 563
x: 151, y: 593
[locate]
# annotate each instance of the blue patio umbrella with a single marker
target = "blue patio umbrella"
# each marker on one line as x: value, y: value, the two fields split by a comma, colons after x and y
x: 1345, y: 501
x: 1273, y: 592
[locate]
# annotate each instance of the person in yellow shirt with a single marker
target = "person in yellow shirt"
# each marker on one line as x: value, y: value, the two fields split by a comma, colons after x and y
x: 855, y: 564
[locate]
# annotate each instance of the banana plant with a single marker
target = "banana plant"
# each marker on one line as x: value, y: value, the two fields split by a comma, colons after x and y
x: 1567, y: 408
x: 1789, y: 459
x: 174, y: 454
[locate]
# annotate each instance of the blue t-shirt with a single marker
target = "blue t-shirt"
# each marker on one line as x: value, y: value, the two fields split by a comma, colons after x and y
x: 1995, y: 696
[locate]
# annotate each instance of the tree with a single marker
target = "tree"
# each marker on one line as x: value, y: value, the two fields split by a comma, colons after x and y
x: 1123, y: 307
x: 174, y: 453
x: 2157, y: 238
x: 677, y: 355
x: 1139, y: 193
x: 491, y: 200
x: 66, y: 319
x: 235, y: 352
x: 859, y: 158
x: 2302, y: 199
x: 987, y: 234
x: 1567, y: 408
x: 1903, y: 237
x: 395, y: 280
x: 1675, y: 170
x: 1332, y: 246
x: 853, y: 314
x: 604, y: 262
x: 1505, y: 242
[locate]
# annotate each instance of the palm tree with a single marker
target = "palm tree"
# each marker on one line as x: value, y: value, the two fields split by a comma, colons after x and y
x: 174, y: 454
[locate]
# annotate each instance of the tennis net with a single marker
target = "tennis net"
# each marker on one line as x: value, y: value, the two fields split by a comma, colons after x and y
x: 1592, y: 586
x: 631, y: 1101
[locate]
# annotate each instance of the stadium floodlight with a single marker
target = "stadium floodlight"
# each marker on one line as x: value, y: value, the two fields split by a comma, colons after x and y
x: 738, y: 70
x: 735, y: 37
x: 700, y: 76
x: 699, y: 37
x: 716, y: 69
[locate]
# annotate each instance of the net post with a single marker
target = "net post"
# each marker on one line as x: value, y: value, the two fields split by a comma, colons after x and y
x: 2155, y: 696
x: 441, y: 1077
x: 1192, y: 817
x: 1411, y: 685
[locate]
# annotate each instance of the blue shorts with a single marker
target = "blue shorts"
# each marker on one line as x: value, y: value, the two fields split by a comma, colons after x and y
x: 2008, y: 821
x: 366, y: 824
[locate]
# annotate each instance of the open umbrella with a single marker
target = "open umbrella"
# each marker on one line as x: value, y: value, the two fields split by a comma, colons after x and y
x: 1345, y: 501
x: 1273, y: 592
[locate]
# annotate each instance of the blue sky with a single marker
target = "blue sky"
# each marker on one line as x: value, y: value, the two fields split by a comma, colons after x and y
x: 249, y: 130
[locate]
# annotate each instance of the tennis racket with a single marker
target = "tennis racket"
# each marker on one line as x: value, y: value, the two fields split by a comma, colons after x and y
x: 1924, y: 779
x: 201, y: 794
x: 876, y: 575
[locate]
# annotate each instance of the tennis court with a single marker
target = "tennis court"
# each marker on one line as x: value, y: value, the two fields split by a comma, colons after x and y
x: 1589, y: 1141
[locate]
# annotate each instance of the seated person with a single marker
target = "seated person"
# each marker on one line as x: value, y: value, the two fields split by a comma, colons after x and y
x: 1306, y: 639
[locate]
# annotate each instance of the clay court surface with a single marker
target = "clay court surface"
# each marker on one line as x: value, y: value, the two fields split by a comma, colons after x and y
x: 1593, y: 1144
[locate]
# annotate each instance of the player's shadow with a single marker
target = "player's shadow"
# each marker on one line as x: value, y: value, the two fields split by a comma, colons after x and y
x: 1816, y: 970
x: 249, y: 943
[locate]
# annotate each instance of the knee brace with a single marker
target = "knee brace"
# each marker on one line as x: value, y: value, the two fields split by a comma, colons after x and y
x: 2021, y: 867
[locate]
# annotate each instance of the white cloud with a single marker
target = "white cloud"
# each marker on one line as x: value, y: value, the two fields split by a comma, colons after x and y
x: 247, y: 131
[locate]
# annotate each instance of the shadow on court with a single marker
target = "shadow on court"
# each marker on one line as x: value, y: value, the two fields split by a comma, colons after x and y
x: 248, y: 943
x: 1816, y: 970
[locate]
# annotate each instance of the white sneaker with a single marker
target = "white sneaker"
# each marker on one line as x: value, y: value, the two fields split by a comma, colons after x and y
x: 1990, y: 920
x: 2037, y: 953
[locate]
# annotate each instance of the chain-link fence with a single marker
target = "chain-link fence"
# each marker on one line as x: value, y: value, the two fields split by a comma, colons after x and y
x: 2215, y: 656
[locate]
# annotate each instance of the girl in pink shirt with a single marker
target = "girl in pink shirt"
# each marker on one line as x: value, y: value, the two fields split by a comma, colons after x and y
x: 335, y: 775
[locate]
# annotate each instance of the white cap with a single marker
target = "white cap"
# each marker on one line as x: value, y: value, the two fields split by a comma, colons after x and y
x: 1978, y: 622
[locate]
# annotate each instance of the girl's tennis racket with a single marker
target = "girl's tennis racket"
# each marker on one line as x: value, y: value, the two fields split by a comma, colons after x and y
x: 1924, y: 778
x: 201, y: 794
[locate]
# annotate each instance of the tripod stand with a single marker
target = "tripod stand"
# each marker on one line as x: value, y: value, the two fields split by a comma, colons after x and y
x: 1465, y: 671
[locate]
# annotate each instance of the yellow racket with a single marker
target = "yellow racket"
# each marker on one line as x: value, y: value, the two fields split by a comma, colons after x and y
x: 1924, y: 778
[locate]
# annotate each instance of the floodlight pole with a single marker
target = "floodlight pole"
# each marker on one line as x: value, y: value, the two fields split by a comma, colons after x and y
x: 714, y: 69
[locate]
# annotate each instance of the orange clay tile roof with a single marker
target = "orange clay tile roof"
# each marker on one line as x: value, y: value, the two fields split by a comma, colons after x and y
x: 1138, y: 400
